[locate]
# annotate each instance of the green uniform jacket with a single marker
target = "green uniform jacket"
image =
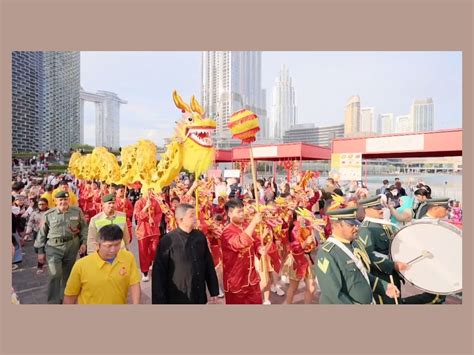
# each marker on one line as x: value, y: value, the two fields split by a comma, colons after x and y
x: 339, y: 279
x: 57, y: 228
x: 376, y: 239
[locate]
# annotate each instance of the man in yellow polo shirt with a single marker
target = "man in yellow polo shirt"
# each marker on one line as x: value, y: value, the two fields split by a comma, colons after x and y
x: 64, y: 186
x: 48, y: 194
x: 106, y: 276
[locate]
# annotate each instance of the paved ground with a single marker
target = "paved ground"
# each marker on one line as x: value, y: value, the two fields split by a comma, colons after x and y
x: 32, y: 288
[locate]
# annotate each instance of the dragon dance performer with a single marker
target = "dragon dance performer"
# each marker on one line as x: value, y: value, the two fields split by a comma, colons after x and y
x: 148, y: 215
x: 212, y: 229
x: 84, y: 190
x: 169, y: 213
x: 299, y: 264
x: 269, y: 264
x: 94, y: 200
x: 211, y: 224
x: 240, y: 245
x: 123, y: 204
x: 219, y: 209
x: 104, y: 189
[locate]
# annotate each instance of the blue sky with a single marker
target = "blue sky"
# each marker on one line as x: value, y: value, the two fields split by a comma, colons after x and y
x: 323, y: 82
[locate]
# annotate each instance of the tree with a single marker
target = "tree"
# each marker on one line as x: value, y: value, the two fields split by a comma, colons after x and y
x: 84, y: 147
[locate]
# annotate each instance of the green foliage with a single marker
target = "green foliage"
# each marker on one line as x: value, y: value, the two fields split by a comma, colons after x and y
x: 84, y: 147
x: 24, y: 155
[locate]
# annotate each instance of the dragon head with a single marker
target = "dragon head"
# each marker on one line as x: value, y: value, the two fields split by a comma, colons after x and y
x: 193, y: 126
x: 195, y: 132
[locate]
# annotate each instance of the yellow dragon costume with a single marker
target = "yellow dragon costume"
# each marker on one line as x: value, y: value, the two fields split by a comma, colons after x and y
x: 191, y: 148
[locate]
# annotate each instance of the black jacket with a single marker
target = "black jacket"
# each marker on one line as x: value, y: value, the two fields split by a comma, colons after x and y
x: 183, y: 267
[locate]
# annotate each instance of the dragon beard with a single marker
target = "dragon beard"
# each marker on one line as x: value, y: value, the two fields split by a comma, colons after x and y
x: 197, y: 159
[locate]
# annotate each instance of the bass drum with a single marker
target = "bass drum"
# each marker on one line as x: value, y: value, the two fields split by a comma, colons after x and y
x: 433, y: 249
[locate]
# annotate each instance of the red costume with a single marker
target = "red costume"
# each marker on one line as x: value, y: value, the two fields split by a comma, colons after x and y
x: 299, y: 262
x: 213, y: 233
x: 96, y: 202
x: 90, y: 202
x: 218, y: 209
x: 241, y: 280
x: 123, y: 204
x: 170, y: 219
x: 148, y: 231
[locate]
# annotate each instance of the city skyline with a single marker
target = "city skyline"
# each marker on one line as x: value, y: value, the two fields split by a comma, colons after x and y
x: 324, y: 82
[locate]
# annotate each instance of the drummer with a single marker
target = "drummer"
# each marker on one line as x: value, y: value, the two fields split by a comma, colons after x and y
x: 376, y: 234
x: 343, y: 264
x: 437, y: 208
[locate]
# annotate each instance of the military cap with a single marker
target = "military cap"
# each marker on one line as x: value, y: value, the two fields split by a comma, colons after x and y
x: 372, y: 202
x: 108, y: 198
x: 443, y: 202
x: 347, y: 215
x: 61, y: 194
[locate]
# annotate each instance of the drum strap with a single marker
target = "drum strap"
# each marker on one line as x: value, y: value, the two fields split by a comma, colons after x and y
x: 356, y: 260
x: 380, y: 255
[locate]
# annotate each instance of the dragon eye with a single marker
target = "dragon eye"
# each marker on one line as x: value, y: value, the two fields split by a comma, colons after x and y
x: 190, y: 119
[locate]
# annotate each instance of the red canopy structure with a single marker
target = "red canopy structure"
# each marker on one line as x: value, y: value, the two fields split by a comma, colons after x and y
x: 443, y: 143
x: 223, y: 156
x: 286, y: 151
x: 286, y: 154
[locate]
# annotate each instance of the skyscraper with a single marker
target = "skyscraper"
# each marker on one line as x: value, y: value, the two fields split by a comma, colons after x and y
x: 283, y: 115
x: 367, y: 116
x: 27, y: 100
x: 352, y: 117
x: 231, y: 80
x: 61, y: 121
x: 404, y: 124
x: 386, y: 123
x: 45, y: 100
x: 422, y: 112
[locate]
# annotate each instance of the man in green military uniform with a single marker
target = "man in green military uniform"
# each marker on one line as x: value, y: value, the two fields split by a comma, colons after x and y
x: 343, y: 265
x: 63, y: 233
x: 376, y: 234
x: 437, y: 209
x: 108, y: 216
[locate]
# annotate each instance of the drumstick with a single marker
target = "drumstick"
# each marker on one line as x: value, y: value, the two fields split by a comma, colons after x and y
x: 391, y: 281
x: 424, y: 254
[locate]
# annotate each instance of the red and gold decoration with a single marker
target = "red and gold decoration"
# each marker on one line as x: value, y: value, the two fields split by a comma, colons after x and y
x: 244, y: 125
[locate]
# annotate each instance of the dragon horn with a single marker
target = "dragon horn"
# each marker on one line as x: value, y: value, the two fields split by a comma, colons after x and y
x: 195, y: 106
x: 178, y: 101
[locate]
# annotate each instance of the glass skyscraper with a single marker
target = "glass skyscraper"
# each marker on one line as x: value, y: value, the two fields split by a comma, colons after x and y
x: 231, y: 80
x: 27, y: 100
x: 45, y: 100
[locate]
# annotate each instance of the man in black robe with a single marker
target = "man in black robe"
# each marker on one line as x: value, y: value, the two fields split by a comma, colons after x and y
x: 183, y: 264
